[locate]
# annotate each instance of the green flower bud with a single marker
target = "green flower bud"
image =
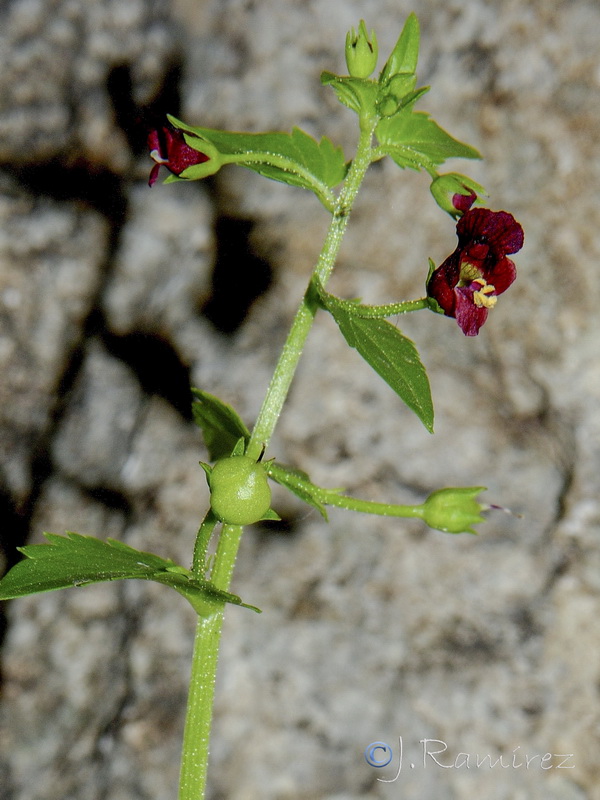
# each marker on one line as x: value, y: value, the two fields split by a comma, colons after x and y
x: 239, y: 490
x: 387, y: 106
x: 455, y: 193
x: 361, y: 52
x: 454, y: 510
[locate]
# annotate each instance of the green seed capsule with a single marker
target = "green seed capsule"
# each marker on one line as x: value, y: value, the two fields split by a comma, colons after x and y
x: 239, y: 490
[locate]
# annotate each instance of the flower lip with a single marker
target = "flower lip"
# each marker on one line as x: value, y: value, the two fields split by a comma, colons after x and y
x: 466, y: 284
x: 498, y: 229
x: 169, y: 148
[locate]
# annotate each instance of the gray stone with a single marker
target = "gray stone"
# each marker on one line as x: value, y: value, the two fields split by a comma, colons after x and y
x: 162, y: 268
x: 94, y: 440
x: 51, y: 255
x: 56, y: 59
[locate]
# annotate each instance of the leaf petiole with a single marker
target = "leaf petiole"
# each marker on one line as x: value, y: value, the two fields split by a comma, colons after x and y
x: 357, y: 309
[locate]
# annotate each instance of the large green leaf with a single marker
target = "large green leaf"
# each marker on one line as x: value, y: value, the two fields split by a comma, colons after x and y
x: 392, y: 355
x: 75, y: 560
x: 413, y: 139
x: 221, y: 425
x: 294, y: 158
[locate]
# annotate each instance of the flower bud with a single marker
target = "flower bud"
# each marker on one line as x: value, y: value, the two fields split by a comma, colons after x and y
x: 455, y: 193
x: 182, y: 152
x: 239, y: 490
x: 361, y: 52
x: 387, y: 106
x: 397, y: 93
x: 454, y: 510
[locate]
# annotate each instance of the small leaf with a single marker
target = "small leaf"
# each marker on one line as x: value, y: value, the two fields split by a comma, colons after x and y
x: 412, y: 139
x: 405, y: 54
x: 392, y: 355
x: 221, y: 425
x: 300, y: 484
x: 75, y: 560
x: 306, y: 161
x: 359, y: 94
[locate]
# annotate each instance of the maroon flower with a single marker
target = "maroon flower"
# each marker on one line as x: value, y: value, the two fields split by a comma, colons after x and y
x: 463, y: 202
x: 169, y: 148
x: 466, y: 285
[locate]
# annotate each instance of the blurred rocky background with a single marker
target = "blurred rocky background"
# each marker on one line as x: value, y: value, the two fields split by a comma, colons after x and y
x: 114, y: 298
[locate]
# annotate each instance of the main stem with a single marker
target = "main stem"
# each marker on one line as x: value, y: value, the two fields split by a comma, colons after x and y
x: 194, y: 761
x: 292, y: 349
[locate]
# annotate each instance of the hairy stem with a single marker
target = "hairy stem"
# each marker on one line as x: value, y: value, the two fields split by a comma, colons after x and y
x: 292, y: 350
x: 194, y: 759
x: 371, y: 507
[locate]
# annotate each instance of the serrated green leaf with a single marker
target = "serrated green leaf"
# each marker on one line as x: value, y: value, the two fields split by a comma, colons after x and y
x: 221, y: 425
x: 299, y: 483
x: 307, y: 161
x: 392, y: 355
x: 75, y: 560
x: 405, y: 54
x: 412, y: 139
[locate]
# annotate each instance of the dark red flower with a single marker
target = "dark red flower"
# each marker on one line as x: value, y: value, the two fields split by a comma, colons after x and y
x: 466, y: 285
x: 463, y: 202
x: 169, y: 148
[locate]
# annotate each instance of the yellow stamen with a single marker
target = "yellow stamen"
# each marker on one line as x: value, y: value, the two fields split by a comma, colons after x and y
x: 480, y: 297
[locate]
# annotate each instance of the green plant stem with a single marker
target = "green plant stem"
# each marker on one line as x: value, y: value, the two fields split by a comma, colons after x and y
x: 227, y: 548
x: 371, y: 507
x: 196, y: 736
x: 292, y: 350
x: 194, y: 760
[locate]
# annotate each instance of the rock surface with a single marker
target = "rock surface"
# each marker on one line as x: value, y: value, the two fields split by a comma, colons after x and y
x: 371, y: 629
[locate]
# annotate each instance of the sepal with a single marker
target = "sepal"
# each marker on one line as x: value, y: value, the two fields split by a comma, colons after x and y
x: 432, y: 303
x: 454, y: 510
x: 270, y: 516
x: 361, y: 51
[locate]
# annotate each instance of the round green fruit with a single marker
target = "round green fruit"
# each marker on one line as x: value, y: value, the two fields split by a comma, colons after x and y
x: 239, y: 490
